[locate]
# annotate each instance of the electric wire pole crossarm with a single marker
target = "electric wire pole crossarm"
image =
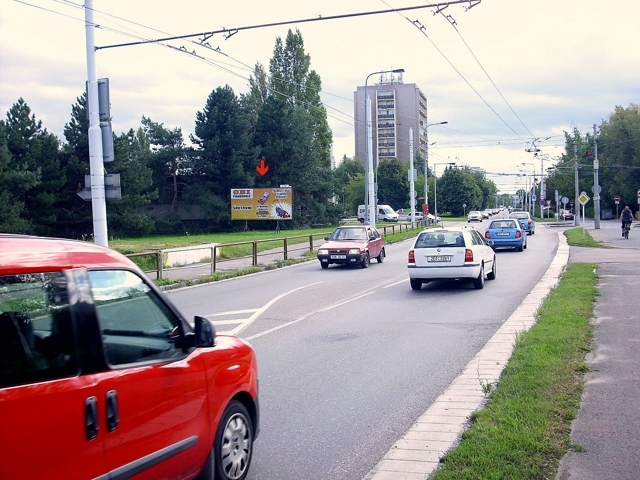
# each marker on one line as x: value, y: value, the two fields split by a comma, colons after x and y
x: 369, y: 191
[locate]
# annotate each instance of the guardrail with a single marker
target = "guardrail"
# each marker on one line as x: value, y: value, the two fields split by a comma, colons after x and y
x: 290, y: 247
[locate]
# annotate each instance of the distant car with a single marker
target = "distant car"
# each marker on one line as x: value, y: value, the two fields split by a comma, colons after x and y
x: 527, y: 223
x: 566, y: 214
x: 433, y: 219
x: 449, y: 254
x: 474, y: 216
x: 355, y: 245
x: 406, y: 216
x: 102, y: 377
x: 486, y: 213
x: 506, y: 233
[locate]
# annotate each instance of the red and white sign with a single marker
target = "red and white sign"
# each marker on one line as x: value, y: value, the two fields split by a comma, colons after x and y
x: 617, y: 199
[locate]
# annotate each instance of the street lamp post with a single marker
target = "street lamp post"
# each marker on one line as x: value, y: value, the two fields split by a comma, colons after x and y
x: 435, y: 188
x: 533, y: 188
x: 426, y: 160
x: 369, y: 193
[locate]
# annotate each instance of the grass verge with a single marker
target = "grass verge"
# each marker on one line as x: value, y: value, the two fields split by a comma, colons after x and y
x: 579, y: 237
x: 524, y: 429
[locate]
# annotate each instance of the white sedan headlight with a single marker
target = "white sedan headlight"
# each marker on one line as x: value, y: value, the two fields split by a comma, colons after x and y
x: 323, y: 251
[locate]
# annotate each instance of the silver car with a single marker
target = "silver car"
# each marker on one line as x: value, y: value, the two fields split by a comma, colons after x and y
x: 451, y: 254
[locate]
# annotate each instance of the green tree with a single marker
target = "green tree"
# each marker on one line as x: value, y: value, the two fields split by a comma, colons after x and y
x: 37, y: 151
x: 132, y: 154
x: 348, y: 169
x: 15, y: 181
x: 393, y: 184
x: 224, y: 158
x: 355, y: 193
x: 457, y: 187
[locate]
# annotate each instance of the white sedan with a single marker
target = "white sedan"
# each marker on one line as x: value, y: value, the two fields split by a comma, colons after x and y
x: 451, y: 254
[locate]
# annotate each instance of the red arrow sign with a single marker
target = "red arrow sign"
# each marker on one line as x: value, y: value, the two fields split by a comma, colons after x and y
x: 262, y: 168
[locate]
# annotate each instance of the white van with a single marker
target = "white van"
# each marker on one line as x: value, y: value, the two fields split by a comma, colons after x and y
x: 385, y: 214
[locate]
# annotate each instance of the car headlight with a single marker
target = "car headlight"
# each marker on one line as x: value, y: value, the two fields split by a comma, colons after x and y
x: 354, y: 251
x: 323, y: 251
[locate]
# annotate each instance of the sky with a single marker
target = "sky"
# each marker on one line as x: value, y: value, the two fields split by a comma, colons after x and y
x: 505, y: 74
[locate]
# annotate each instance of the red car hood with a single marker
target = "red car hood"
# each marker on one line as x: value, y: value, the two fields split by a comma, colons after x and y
x: 344, y: 245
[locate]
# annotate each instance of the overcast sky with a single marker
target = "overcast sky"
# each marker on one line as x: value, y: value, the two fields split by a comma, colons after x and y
x: 501, y: 74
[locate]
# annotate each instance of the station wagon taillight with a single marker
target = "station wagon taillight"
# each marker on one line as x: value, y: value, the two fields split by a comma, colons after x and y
x: 487, y: 235
x: 468, y: 255
x: 518, y: 233
x: 412, y: 257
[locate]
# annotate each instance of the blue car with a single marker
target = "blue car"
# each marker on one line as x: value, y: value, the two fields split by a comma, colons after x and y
x: 506, y: 233
x: 527, y: 223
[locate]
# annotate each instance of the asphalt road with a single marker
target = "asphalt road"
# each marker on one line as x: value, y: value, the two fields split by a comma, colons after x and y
x: 349, y: 358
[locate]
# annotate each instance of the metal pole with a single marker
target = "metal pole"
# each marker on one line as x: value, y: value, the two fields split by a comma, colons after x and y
x: 412, y: 191
x: 96, y: 166
x: 596, y: 186
x: 371, y: 212
x: 426, y: 168
x: 576, y: 202
x: 435, y: 193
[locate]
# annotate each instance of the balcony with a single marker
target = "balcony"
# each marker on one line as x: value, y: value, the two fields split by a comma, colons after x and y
x: 386, y: 115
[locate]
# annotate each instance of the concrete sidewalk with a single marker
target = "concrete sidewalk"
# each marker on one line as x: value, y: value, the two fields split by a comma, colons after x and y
x: 606, y: 432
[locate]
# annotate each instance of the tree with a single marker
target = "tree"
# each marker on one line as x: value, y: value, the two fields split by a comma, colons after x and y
x: 132, y: 154
x: 224, y: 158
x: 457, y: 187
x: 170, y: 160
x: 35, y: 150
x: 393, y: 185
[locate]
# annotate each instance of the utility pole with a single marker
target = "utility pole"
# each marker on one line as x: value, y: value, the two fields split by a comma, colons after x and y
x: 412, y: 177
x: 96, y: 165
x: 576, y: 202
x: 596, y: 186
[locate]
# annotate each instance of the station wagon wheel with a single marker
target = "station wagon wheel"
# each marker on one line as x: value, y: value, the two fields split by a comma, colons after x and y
x: 494, y: 270
x: 416, y: 284
x: 478, y: 283
x: 233, y: 446
x: 366, y: 261
x: 380, y: 257
x: 324, y: 265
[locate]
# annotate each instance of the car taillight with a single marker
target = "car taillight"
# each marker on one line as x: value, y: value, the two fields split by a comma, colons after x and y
x: 487, y: 235
x: 468, y: 255
x: 412, y: 257
x: 518, y: 233
x: 529, y: 221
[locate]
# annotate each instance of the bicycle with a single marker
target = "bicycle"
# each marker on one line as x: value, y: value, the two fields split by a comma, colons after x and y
x: 625, y: 231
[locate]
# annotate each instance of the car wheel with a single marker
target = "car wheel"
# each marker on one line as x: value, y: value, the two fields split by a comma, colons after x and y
x: 366, y: 261
x: 416, y: 284
x: 361, y: 220
x: 494, y: 270
x: 233, y: 446
x: 478, y: 283
x: 380, y: 257
x: 524, y: 245
x: 324, y: 265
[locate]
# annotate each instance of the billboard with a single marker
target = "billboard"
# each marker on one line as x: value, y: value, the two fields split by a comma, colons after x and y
x: 261, y: 203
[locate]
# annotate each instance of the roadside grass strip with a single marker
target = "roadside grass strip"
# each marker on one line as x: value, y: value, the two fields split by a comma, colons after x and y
x: 579, y: 237
x: 524, y: 429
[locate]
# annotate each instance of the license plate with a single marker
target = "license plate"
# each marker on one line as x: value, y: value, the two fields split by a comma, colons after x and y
x: 338, y: 257
x: 502, y: 234
x: 439, y: 258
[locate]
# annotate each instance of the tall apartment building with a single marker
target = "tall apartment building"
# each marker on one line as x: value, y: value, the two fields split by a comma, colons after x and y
x: 395, y: 108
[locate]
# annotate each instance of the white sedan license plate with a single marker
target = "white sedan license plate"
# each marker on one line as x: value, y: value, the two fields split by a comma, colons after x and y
x: 338, y: 257
x: 439, y: 258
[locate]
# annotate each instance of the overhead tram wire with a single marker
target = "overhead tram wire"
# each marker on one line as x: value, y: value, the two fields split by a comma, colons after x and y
x: 453, y: 24
x: 232, y: 31
x: 421, y: 28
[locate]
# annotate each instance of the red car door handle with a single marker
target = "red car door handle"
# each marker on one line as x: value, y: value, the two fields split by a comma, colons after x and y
x: 113, y: 418
x: 91, y: 417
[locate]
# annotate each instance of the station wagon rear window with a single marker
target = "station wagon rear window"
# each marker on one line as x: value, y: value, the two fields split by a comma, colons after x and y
x: 440, y: 239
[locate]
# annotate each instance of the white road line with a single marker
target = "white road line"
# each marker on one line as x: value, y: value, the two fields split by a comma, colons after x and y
x: 324, y: 309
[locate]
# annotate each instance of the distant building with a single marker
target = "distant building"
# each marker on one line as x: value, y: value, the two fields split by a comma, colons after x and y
x: 395, y: 108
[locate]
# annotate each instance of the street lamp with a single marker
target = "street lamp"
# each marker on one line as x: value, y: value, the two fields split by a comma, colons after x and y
x: 369, y: 193
x: 435, y: 187
x: 426, y: 160
x: 533, y: 187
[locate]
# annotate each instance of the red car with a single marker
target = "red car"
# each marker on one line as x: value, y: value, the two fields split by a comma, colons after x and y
x: 101, y: 377
x: 352, y: 246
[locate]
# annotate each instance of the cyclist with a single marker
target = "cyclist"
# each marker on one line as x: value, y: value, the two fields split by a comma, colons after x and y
x: 626, y: 216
